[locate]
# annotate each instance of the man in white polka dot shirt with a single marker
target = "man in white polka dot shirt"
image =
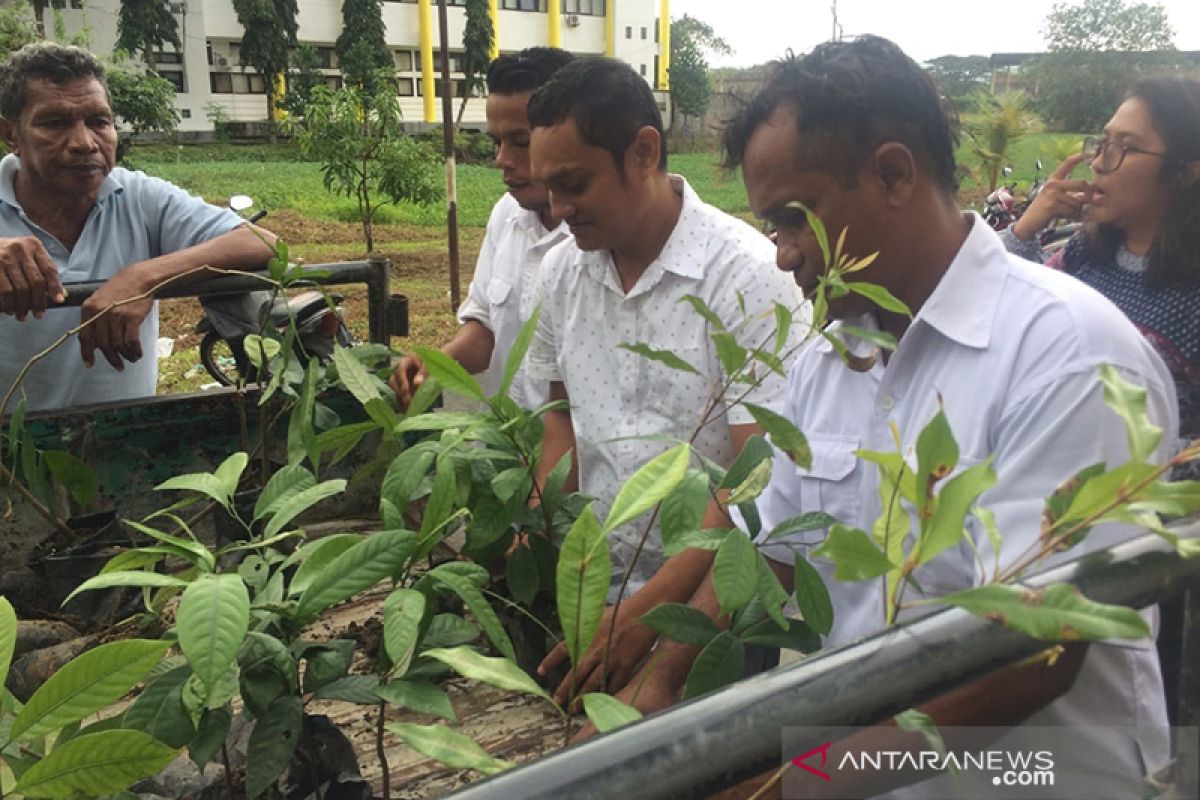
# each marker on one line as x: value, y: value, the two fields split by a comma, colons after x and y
x: 642, y: 241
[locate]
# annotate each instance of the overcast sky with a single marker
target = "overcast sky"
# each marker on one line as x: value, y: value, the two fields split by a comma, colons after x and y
x: 760, y: 30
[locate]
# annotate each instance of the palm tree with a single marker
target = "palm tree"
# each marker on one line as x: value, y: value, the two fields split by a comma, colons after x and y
x: 994, y: 125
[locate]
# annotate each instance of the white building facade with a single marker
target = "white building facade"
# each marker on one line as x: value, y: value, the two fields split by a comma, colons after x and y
x: 212, y: 85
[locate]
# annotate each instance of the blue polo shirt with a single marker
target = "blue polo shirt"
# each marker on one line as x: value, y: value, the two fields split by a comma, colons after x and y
x: 136, y: 217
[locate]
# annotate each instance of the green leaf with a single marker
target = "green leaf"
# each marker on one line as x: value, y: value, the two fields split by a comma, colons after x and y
x: 137, y: 579
x: 354, y: 376
x: 95, y: 764
x: 519, y: 348
x: 812, y: 596
x: 210, y: 735
x: 139, y: 559
x: 360, y: 689
x: 855, y: 556
x: 582, y: 577
x: 272, y: 743
x: 753, y: 486
x: 284, y: 484
x: 703, y: 310
x: 440, y: 507
x: 731, y: 354
x: 681, y: 623
x: 937, y: 455
x: 420, y: 696
x: 259, y: 346
x: 947, y: 527
x: 665, y: 357
x: 449, y: 373
x: 402, y: 614
x: 359, y: 568
x: 756, y: 451
x: 87, y: 684
x: 315, y: 556
x: 8, y: 637
x: 919, y: 722
x: 720, y: 663
x: 449, y: 630
x: 344, y: 438
x: 499, y: 672
x: 771, y: 592
x: 511, y: 482
x: 267, y: 671
x: 522, y: 575
x: 1129, y: 401
x: 447, y: 747
x: 190, y: 549
x: 1058, y: 612
x: 734, y: 572
x: 881, y: 339
x: 880, y: 297
x: 290, y: 508
x: 811, y: 521
x: 783, y: 326
x: 784, y: 435
x: 159, y: 712
x: 220, y: 485
x: 77, y: 477
x: 607, y: 712
x: 797, y: 635
x: 818, y: 229
x: 213, y: 617
x: 478, y: 605
x: 683, y: 509
x: 709, y: 539
x: 326, y: 662
x: 441, y: 421
x: 302, y: 438
x: 649, y: 485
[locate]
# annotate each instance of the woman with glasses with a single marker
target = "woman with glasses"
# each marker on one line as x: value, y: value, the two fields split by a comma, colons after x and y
x: 1140, y: 240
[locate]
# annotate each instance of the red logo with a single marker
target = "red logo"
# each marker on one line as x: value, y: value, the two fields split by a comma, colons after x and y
x: 824, y: 751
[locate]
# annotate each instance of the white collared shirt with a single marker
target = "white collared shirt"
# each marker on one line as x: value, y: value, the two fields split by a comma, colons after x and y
x: 501, y: 290
x: 1011, y: 351
x: 617, y: 394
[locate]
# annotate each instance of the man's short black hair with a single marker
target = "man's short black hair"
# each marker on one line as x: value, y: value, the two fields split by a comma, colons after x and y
x: 608, y: 101
x: 517, y: 73
x: 850, y: 97
x: 54, y: 62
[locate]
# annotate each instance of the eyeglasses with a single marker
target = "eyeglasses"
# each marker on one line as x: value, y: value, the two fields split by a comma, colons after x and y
x: 1111, y: 154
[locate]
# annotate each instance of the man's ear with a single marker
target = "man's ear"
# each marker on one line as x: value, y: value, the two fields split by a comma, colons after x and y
x: 646, y: 150
x: 8, y: 134
x: 895, y: 170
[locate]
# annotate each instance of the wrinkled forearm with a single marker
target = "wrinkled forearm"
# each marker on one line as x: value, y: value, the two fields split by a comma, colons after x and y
x: 246, y: 247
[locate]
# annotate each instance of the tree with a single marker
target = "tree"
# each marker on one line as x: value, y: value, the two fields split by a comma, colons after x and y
x: 1097, y: 48
x: 995, y: 125
x: 692, y: 40
x: 304, y: 76
x: 362, y: 47
x: 959, y: 77
x: 270, y: 28
x: 364, y: 152
x: 477, y: 50
x: 142, y: 99
x: 16, y: 27
x: 144, y: 25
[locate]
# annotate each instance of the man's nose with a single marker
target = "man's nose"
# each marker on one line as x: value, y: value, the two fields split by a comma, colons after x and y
x: 81, y: 137
x: 787, y: 254
x: 503, y: 156
x: 559, y: 208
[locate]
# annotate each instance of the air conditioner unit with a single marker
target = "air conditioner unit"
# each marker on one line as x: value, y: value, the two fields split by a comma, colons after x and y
x: 572, y: 20
x: 221, y: 61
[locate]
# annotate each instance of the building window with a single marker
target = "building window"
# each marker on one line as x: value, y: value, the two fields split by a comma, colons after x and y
x: 656, y: 31
x: 642, y: 67
x: 185, y: 113
x: 175, y: 77
x: 333, y: 82
x: 643, y: 33
x: 404, y: 60
x: 591, y: 8
x: 456, y: 87
x: 167, y: 57
x: 236, y: 83
x: 523, y: 5
x: 404, y: 87
x: 628, y: 32
x: 221, y: 82
x: 455, y: 61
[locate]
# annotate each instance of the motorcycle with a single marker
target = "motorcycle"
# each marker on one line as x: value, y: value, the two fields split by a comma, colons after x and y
x: 229, y: 319
x: 999, y: 210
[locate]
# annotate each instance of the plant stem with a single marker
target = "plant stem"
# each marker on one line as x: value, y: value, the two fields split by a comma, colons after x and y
x: 228, y: 769
x: 521, y: 610
x: 766, y: 787
x: 11, y: 480
x: 381, y: 753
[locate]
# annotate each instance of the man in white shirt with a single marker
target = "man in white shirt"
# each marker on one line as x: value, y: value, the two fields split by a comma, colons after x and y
x: 519, y: 233
x: 642, y: 241
x: 1009, y: 351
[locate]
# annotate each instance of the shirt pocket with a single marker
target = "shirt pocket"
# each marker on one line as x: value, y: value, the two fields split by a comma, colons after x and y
x: 500, y: 290
x: 830, y: 484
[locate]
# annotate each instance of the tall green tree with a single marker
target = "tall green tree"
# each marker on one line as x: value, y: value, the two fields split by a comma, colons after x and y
x: 304, y: 76
x: 959, y: 77
x: 692, y: 42
x: 269, y: 30
x: 362, y: 46
x: 1096, y: 49
x: 994, y: 125
x: 16, y: 27
x: 477, y: 50
x: 145, y: 25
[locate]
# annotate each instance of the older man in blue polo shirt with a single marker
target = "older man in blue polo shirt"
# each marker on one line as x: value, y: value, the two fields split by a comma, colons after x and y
x: 68, y: 215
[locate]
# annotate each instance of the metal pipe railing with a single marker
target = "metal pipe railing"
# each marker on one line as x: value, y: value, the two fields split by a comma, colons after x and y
x: 373, y: 273
x: 716, y: 741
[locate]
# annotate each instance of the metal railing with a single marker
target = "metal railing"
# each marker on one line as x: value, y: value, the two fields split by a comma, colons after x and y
x: 721, y: 739
x: 387, y: 313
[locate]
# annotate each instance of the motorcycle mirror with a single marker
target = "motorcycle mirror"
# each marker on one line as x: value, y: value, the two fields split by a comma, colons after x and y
x: 240, y: 202
x: 1038, y: 164
x: 1008, y: 170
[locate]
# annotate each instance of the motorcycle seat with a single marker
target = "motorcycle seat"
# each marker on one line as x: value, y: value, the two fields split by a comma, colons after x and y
x: 300, y: 306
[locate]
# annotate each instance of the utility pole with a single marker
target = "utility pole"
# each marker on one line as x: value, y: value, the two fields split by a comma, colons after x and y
x: 451, y: 168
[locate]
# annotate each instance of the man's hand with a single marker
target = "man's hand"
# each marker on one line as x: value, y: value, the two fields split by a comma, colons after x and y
x: 116, y: 333
x: 408, y: 376
x: 630, y: 643
x: 652, y: 694
x: 1060, y: 198
x: 28, y: 278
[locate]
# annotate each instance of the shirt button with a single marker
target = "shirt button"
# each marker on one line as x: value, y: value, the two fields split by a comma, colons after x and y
x: 887, y: 403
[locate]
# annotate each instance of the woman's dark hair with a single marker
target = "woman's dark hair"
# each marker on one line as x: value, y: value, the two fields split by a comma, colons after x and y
x: 608, y: 101
x: 850, y: 97
x: 517, y: 73
x: 1174, y: 256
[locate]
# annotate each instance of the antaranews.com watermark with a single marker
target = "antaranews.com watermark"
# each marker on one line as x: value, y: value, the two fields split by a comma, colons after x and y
x: 986, y: 763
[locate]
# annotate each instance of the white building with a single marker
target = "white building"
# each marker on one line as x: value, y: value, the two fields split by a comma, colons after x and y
x: 212, y: 84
